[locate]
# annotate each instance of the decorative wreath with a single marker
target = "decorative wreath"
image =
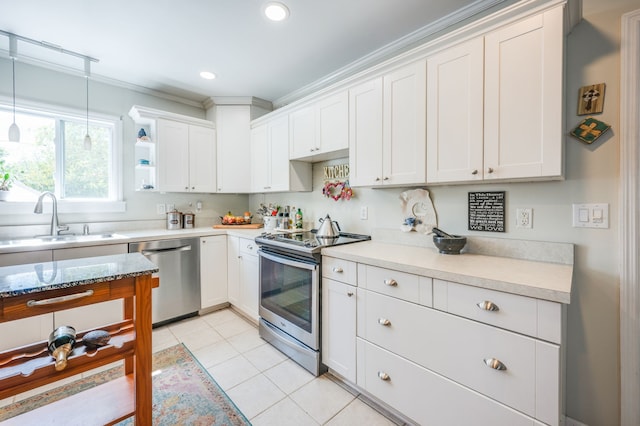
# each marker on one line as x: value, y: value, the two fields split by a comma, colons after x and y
x: 337, y: 190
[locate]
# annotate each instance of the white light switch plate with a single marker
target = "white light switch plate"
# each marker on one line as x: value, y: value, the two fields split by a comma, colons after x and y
x: 591, y: 215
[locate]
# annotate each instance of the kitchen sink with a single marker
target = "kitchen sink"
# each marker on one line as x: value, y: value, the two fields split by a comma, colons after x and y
x: 42, y: 240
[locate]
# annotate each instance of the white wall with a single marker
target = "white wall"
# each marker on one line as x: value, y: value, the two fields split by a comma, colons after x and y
x: 592, y: 176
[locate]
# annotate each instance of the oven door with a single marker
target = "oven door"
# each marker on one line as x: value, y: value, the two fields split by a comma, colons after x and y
x: 290, y: 296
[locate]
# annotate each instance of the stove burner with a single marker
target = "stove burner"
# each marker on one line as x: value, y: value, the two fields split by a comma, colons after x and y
x: 306, y: 241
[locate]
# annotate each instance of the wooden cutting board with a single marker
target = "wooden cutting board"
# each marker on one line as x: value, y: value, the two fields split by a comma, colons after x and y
x: 247, y: 226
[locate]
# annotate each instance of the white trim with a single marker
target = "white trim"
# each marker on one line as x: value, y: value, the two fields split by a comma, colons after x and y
x: 630, y: 219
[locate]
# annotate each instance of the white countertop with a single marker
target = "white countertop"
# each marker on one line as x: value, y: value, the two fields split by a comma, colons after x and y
x: 541, y: 280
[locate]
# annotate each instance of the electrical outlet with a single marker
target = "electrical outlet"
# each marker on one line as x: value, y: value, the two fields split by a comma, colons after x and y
x: 364, y: 213
x: 161, y: 209
x: 524, y: 218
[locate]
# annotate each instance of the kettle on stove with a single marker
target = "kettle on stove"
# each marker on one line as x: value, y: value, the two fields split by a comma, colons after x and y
x: 328, y: 228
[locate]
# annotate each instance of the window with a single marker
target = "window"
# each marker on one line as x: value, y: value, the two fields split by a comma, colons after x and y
x: 51, y: 156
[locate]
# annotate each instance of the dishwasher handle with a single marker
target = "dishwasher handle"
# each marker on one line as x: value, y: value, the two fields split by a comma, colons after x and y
x: 166, y: 250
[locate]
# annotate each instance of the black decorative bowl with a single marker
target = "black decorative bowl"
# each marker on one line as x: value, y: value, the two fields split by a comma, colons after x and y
x: 448, y: 245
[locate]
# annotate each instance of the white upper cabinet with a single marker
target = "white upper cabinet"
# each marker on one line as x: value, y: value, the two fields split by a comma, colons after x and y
x: 186, y: 157
x: 234, y: 140
x: 455, y: 113
x: 495, y: 104
x: 320, y: 131
x: 365, y: 133
x: 387, y: 124
x: 524, y: 98
x: 271, y: 169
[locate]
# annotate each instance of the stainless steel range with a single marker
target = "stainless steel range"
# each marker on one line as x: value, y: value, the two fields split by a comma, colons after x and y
x: 290, y: 289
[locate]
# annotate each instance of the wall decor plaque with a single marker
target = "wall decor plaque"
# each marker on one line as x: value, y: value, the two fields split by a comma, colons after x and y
x: 486, y: 211
x: 591, y: 99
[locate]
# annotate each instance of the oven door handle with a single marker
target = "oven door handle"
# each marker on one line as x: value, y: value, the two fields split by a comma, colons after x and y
x: 288, y: 261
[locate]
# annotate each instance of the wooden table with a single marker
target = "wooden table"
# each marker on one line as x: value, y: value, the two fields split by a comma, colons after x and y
x: 82, y: 282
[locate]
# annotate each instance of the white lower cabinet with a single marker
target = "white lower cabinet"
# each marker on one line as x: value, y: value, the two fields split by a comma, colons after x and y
x: 213, y: 271
x: 243, y: 275
x: 339, y: 336
x: 443, y: 353
x: 426, y: 397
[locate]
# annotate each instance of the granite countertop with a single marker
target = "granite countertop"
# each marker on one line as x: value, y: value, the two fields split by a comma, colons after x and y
x: 542, y: 280
x: 37, y: 277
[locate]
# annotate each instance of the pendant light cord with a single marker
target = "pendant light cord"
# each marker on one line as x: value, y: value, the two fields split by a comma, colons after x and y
x: 87, y: 77
x: 13, y: 64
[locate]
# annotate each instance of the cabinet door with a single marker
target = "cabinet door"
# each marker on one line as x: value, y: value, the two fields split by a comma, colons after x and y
x: 339, y: 328
x: 248, y: 279
x: 523, y: 98
x: 96, y: 315
x: 302, y: 124
x: 455, y: 113
x: 173, y: 156
x: 202, y: 159
x: 332, y: 123
x: 213, y: 271
x: 404, y: 125
x: 278, y: 154
x: 27, y: 330
x: 233, y: 144
x: 365, y: 133
x: 260, y: 179
x: 233, y: 270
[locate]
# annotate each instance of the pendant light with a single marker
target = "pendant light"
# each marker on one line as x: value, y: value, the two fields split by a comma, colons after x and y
x: 87, y: 72
x: 14, y: 130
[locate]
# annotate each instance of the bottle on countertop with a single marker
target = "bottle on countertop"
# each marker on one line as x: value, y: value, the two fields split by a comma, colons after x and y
x: 61, y: 343
x: 285, y: 221
x: 298, y: 220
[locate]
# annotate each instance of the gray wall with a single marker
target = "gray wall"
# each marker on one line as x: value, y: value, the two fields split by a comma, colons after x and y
x: 34, y: 84
x: 592, y: 176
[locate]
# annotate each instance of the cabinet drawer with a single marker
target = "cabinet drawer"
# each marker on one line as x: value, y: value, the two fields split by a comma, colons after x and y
x: 339, y: 270
x: 537, y: 318
x: 461, y: 350
x: 441, y: 401
x: 248, y: 246
x: 409, y: 287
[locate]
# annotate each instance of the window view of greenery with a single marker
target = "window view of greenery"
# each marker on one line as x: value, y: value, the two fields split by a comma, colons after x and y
x: 37, y: 164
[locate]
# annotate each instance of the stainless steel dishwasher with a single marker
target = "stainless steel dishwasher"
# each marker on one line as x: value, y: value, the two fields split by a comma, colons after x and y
x: 178, y: 260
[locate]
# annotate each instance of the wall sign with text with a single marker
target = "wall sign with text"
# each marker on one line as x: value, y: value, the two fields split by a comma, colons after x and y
x: 486, y: 211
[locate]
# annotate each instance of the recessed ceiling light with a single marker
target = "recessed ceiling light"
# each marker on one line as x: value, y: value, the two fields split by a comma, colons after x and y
x: 276, y: 11
x: 207, y: 75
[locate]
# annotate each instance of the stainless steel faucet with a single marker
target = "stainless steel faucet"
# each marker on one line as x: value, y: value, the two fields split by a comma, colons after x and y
x: 55, y: 225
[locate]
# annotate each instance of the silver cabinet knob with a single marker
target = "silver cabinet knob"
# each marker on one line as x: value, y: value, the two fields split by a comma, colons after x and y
x: 384, y: 321
x: 338, y: 270
x: 391, y: 282
x: 474, y: 172
x: 489, y: 170
x: 350, y: 293
x: 386, y: 178
x: 383, y: 376
x: 193, y: 188
x: 496, y: 364
x: 377, y: 179
x: 186, y: 187
x: 488, y: 306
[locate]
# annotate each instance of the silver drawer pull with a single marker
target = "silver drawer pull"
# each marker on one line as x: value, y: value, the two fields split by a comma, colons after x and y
x: 61, y: 299
x: 495, y: 364
x: 350, y: 293
x: 338, y: 270
x: 383, y: 376
x: 384, y: 321
x: 488, y: 306
x: 391, y: 282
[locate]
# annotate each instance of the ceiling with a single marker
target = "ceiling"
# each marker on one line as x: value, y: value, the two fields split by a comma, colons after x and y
x: 164, y: 44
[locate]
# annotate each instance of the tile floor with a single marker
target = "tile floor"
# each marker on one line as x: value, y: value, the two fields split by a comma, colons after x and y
x: 265, y: 385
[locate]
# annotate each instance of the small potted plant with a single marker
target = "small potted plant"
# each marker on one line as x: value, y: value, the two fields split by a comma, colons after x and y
x: 6, y: 180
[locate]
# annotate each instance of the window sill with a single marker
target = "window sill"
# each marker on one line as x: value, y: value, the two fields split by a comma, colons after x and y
x: 26, y: 207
